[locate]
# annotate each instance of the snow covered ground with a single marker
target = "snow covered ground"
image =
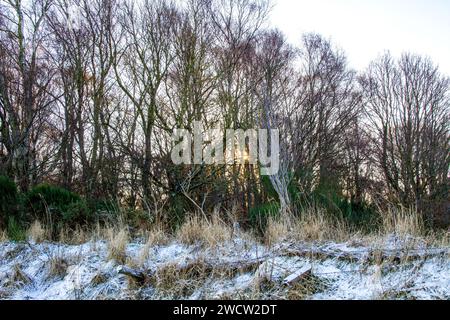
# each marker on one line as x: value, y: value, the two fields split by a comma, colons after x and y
x: 338, y: 271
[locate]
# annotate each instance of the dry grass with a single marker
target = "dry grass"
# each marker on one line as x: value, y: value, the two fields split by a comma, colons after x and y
x: 207, y: 232
x: 19, y: 277
x: 79, y: 236
x: 262, y: 288
x: 57, y: 266
x: 64, y: 236
x: 277, y: 230
x: 408, y: 226
x: 37, y: 233
x: 99, y: 278
x: 117, y: 243
x: 403, y: 222
x: 156, y: 236
x: 316, y: 224
x: 99, y: 232
x: 173, y: 281
x: 312, y: 225
x: 439, y: 239
x: 306, y: 288
x: 3, y: 236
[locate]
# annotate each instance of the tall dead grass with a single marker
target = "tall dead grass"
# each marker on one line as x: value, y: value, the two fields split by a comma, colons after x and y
x: 208, y: 232
x: 314, y: 224
x: 3, y: 236
x: 58, y: 265
x: 155, y: 237
x: 403, y: 222
x: 117, y: 244
x: 409, y: 225
x: 38, y: 233
x: 311, y: 225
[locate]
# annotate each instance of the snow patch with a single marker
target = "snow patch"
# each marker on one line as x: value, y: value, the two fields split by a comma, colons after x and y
x: 25, y: 270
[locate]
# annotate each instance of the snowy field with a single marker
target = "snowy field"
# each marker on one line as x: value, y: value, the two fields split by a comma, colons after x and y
x: 233, y: 270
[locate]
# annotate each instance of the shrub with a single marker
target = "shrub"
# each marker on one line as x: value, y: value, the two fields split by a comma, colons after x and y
x: 77, y: 213
x: 137, y: 218
x: 436, y: 207
x: 8, y: 200
x: 55, y: 206
x: 360, y: 215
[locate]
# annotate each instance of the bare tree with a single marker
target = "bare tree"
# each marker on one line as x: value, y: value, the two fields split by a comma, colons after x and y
x: 142, y: 59
x: 275, y: 61
x: 24, y: 84
x: 330, y: 105
x: 408, y: 113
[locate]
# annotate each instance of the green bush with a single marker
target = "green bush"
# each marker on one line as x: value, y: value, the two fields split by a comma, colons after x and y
x: 105, y: 211
x: 104, y: 205
x: 77, y: 213
x: 360, y: 215
x: 56, y: 206
x: 328, y: 195
x: 9, y: 200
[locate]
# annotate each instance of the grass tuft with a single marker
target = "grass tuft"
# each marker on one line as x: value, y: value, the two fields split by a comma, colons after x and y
x: 155, y: 237
x: 403, y: 222
x: 209, y: 232
x: 176, y: 282
x: 37, y: 233
x: 312, y: 225
x: 3, y: 236
x: 304, y: 289
x: 58, y: 267
x: 117, y: 243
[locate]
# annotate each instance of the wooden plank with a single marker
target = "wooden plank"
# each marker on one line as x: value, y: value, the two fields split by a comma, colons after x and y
x: 297, y: 276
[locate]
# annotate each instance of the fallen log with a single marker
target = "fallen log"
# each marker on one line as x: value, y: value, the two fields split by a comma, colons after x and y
x: 367, y: 255
x: 138, y: 275
x: 318, y: 253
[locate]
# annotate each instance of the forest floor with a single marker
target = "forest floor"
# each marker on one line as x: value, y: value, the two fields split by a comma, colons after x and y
x: 239, y: 268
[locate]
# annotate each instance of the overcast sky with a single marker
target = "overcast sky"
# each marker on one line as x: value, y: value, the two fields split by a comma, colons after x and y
x: 367, y: 28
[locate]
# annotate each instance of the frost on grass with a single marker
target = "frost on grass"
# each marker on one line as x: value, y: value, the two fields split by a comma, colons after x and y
x: 175, y: 270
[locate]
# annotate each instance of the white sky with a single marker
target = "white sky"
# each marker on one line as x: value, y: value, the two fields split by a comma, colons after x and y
x: 364, y: 29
